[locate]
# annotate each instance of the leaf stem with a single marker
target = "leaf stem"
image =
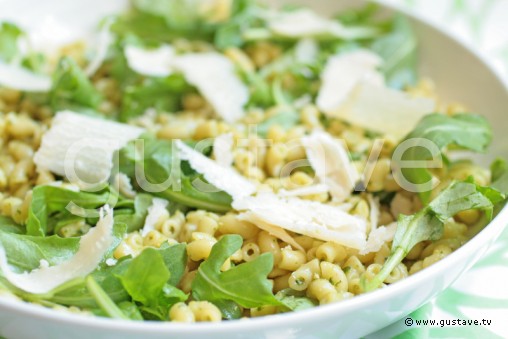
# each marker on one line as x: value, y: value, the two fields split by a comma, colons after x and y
x: 393, y: 260
x: 103, y: 300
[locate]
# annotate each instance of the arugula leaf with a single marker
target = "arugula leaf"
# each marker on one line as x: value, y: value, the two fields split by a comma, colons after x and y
x: 229, y: 309
x: 162, y: 94
x: 245, y: 14
x: 398, y: 48
x: 245, y: 284
x: 77, y: 294
x: 160, y: 164
x: 25, y: 252
x: 8, y: 225
x: 145, y: 277
x: 9, y: 34
x: 499, y: 170
x: 175, y: 259
x: 134, y: 217
x: 428, y: 224
x: 294, y: 300
x: 105, y: 303
x: 47, y: 200
x: 131, y: 310
x: 71, y: 88
x: 465, y: 131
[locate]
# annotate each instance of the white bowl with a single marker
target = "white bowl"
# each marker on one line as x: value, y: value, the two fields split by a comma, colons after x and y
x: 461, y: 75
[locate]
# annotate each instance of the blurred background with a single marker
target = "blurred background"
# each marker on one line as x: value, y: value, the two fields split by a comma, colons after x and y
x: 480, y: 23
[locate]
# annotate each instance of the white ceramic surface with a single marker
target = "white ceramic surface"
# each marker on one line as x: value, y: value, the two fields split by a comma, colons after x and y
x: 461, y: 75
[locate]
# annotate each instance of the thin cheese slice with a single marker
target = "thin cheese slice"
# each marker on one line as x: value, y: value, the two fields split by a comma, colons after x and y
x: 214, y: 76
x: 320, y: 221
x: 19, y: 78
x: 378, y: 237
x: 305, y: 190
x: 224, y: 178
x: 104, y: 40
x: 82, y: 148
x: 155, y: 62
x: 276, y: 231
x: 329, y: 159
x: 306, y: 23
x: 342, y: 73
x: 92, y: 247
x: 306, y: 51
x: 155, y: 212
x: 223, y: 149
x: 384, y: 110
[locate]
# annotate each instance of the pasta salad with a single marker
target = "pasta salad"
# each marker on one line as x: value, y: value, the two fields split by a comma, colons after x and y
x: 215, y: 160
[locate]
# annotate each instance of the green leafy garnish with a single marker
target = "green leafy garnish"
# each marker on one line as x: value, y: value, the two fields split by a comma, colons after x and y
x: 428, y: 224
x: 9, y: 34
x: 398, y: 49
x: 464, y: 131
x: 499, y: 171
x: 294, y: 300
x: 72, y: 89
x: 105, y: 303
x: 145, y: 277
x: 161, y: 164
x: 47, y: 200
x: 245, y: 284
x: 162, y: 94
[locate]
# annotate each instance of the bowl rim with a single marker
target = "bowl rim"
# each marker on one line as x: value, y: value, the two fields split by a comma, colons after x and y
x: 486, y: 236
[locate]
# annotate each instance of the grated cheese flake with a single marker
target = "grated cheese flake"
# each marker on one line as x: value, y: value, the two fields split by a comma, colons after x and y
x: 155, y: 62
x: 155, y: 212
x: 214, y: 76
x: 314, y: 219
x: 276, y: 231
x: 17, y: 77
x: 329, y: 159
x: 224, y: 178
x: 103, y: 41
x: 222, y: 149
x: 307, y: 23
x: 342, y: 73
x: 378, y: 237
x: 82, y: 147
x: 92, y: 247
x: 384, y: 110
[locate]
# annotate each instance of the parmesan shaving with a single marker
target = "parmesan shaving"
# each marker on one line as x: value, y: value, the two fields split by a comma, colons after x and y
x: 302, y: 23
x: 104, y: 40
x: 124, y: 185
x: 222, y: 149
x: 22, y: 79
x: 384, y: 110
x: 320, y: 221
x: 378, y: 237
x: 329, y: 159
x: 306, y: 51
x: 81, y: 147
x: 152, y: 62
x: 156, y: 212
x: 224, y: 178
x: 214, y: 76
x: 306, y: 190
x: 276, y: 231
x: 92, y: 247
x: 342, y: 72
x: 374, y: 211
